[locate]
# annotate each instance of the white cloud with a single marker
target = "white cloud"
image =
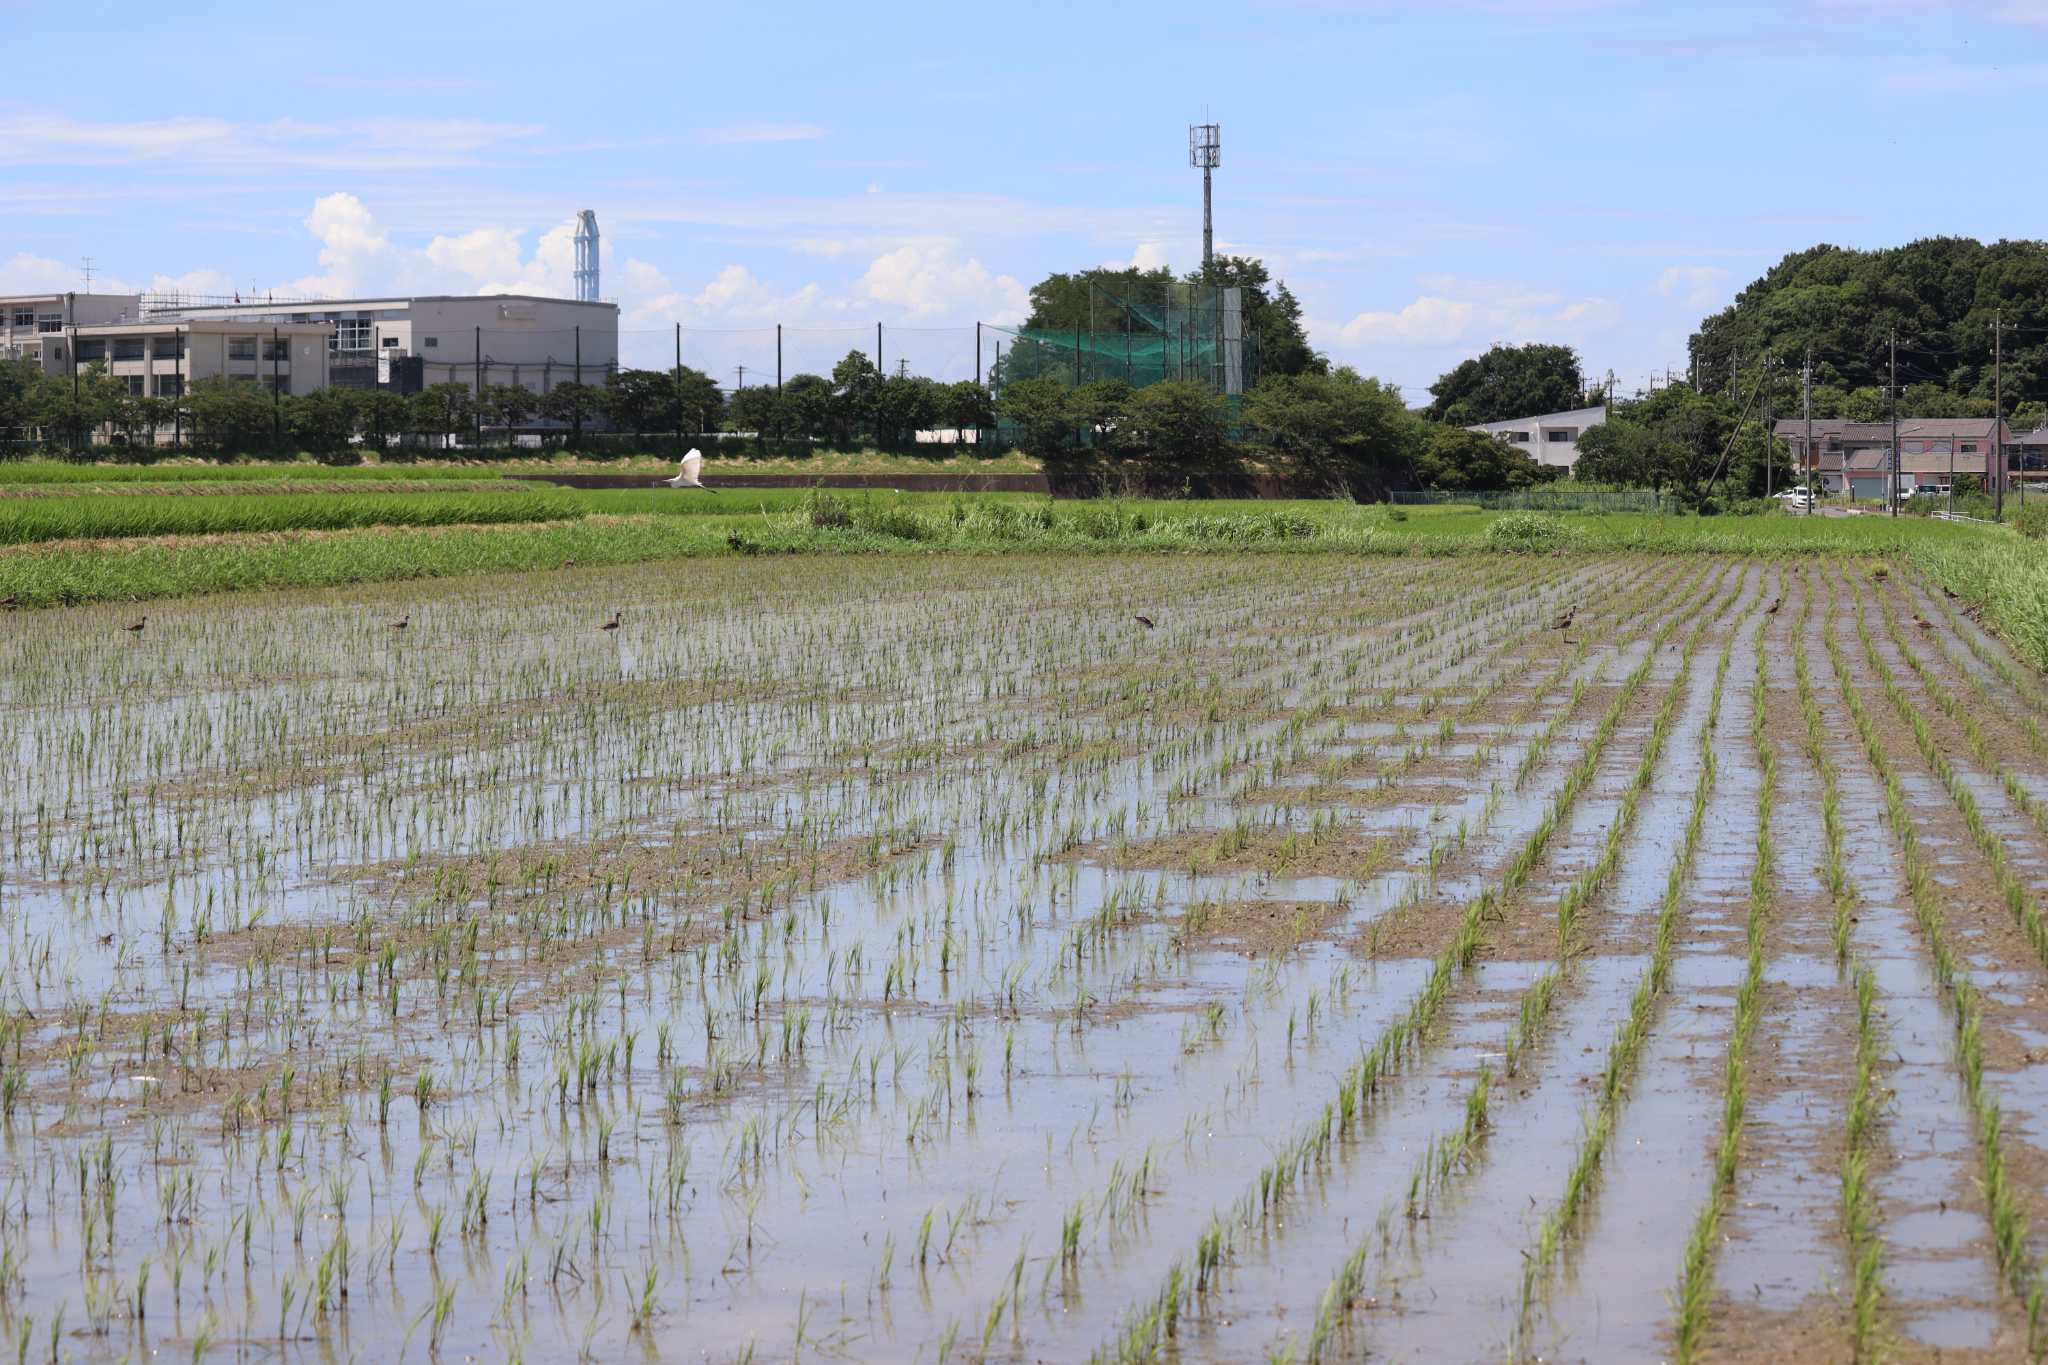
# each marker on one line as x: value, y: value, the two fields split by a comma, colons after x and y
x: 358, y: 257
x: 1695, y: 286
x: 925, y: 280
x: 762, y: 132
x: 23, y: 273
x: 1430, y: 320
x: 1454, y: 311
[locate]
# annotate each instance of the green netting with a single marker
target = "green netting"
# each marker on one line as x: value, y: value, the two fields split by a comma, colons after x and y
x: 1178, y: 331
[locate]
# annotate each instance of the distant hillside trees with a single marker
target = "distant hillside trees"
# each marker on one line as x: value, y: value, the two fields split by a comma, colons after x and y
x: 1941, y: 295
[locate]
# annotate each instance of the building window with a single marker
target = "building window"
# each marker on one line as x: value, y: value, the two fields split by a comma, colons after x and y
x: 170, y: 386
x: 127, y: 348
x: 92, y: 349
x: 276, y: 348
x: 24, y: 317
x: 135, y: 383
x: 1557, y: 436
x: 50, y: 322
x: 164, y: 348
x: 241, y: 348
x: 1968, y: 447
x: 353, y: 335
x: 390, y: 341
x: 431, y: 343
x: 1519, y: 437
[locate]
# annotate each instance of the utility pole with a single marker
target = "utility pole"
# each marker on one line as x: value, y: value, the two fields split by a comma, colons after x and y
x: 679, y: 383
x: 1892, y: 498
x: 1763, y: 417
x: 743, y: 377
x: 576, y: 413
x: 478, y: 342
x: 1998, y: 413
x: 778, y: 357
x: 276, y: 403
x: 878, y: 348
x: 1806, y: 403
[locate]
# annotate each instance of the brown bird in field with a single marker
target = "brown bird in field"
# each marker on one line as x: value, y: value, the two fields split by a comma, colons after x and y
x: 1563, y: 620
x: 612, y: 624
x: 402, y: 622
x: 1949, y: 593
x: 568, y: 563
x: 1880, y: 574
x: 135, y: 627
x: 1923, y: 623
x: 1772, y: 610
x: 1144, y: 621
x: 11, y: 600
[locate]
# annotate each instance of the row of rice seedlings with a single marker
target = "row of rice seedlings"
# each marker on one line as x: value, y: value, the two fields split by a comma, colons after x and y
x: 2021, y: 694
x: 1696, y: 1271
x: 1583, y: 1179
x: 1451, y: 1157
x: 1962, y: 717
x: 2008, y: 1222
x: 2019, y: 902
x: 1361, y: 1084
x: 1861, y: 1228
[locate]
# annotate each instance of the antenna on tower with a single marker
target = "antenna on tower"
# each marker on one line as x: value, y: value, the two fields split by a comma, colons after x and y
x: 586, y: 256
x: 1205, y: 150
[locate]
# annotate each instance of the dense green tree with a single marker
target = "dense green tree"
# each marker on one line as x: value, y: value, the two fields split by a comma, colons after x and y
x: 967, y: 405
x: 444, y: 410
x: 230, y: 415
x: 1039, y: 410
x: 757, y: 411
x: 1939, y: 296
x: 1508, y: 382
x: 855, y: 384
x: 1177, y: 433
x: 1335, y: 432
x: 1095, y: 412
x: 323, y: 422
x: 903, y: 406
x: 572, y: 404
x: 1460, y: 461
x: 382, y: 414
x: 506, y: 406
x: 807, y: 406
x: 1686, y: 442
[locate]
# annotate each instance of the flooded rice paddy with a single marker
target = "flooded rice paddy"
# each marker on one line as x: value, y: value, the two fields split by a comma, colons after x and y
x: 921, y: 959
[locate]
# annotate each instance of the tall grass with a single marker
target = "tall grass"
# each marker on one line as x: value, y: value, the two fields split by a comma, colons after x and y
x: 51, y: 472
x: 31, y: 521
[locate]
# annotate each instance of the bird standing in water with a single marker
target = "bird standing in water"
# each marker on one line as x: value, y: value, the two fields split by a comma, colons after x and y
x: 612, y: 624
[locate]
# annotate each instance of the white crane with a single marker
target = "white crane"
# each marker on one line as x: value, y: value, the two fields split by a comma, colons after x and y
x: 686, y: 477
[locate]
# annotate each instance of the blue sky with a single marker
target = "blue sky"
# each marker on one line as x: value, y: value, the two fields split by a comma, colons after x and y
x: 1429, y: 177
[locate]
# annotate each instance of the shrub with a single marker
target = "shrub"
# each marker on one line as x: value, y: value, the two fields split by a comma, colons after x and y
x: 1529, y: 532
x: 2032, y: 521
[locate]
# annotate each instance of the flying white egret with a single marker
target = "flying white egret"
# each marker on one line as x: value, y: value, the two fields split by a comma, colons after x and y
x: 686, y: 477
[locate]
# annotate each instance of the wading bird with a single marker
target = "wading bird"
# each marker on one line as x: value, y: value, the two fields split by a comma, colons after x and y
x: 1923, y: 623
x: 1144, y: 621
x: 686, y: 477
x: 1772, y: 610
x: 402, y: 622
x: 11, y: 600
x: 1563, y: 620
x: 135, y: 627
x: 612, y: 624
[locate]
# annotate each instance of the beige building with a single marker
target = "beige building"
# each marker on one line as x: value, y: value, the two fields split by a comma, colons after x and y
x: 165, y: 358
x: 522, y: 339
x: 25, y: 319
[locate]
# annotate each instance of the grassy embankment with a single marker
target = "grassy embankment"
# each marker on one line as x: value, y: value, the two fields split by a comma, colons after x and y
x: 354, y: 525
